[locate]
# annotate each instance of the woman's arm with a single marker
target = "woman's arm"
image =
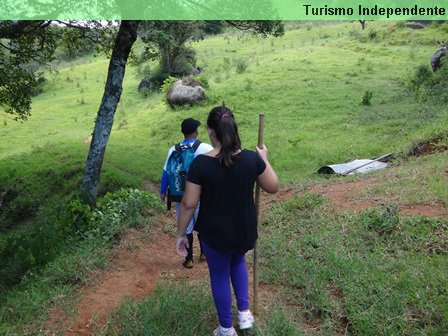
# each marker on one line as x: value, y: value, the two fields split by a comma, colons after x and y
x: 189, y: 203
x: 267, y: 180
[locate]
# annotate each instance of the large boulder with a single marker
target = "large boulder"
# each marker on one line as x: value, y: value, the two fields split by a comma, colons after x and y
x: 185, y: 91
x: 144, y: 85
x: 436, y: 59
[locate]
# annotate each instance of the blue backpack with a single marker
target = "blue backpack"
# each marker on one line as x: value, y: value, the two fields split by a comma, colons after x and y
x: 177, y: 168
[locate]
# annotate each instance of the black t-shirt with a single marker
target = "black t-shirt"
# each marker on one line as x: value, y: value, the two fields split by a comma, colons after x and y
x: 227, y: 219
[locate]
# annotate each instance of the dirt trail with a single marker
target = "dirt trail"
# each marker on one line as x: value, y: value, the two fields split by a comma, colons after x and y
x: 137, y: 264
x: 142, y: 259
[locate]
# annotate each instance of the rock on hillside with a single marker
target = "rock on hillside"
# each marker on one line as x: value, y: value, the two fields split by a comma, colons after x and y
x: 185, y: 91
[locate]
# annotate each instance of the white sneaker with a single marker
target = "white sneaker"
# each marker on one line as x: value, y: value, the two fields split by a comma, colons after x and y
x: 218, y: 332
x: 245, y: 320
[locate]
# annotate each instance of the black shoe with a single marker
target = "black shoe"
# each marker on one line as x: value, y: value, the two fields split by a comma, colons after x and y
x: 188, y: 263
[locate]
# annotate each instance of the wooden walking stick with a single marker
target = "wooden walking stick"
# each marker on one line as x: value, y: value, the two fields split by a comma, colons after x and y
x: 257, y: 208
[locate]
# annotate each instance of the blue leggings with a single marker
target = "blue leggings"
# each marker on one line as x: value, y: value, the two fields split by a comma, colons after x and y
x: 224, y: 268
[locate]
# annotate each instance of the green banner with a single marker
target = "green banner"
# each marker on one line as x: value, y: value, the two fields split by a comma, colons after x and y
x: 224, y: 10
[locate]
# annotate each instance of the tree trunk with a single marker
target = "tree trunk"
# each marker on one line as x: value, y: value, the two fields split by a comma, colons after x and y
x: 127, y: 35
x: 363, y: 24
x: 167, y: 60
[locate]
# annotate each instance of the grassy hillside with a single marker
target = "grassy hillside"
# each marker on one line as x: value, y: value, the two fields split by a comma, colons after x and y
x: 310, y: 84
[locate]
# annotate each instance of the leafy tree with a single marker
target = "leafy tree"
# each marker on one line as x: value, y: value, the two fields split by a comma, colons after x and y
x: 165, y: 40
x: 22, y: 42
x: 261, y: 27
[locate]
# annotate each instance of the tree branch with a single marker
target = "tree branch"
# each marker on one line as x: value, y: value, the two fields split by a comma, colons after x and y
x: 14, y: 29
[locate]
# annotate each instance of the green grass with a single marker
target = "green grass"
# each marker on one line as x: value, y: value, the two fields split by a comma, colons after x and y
x: 372, y: 276
x: 311, y: 94
x: 26, y: 308
x: 418, y: 181
x: 175, y: 309
x: 187, y: 309
x: 309, y: 84
x: 407, y: 181
x: 374, y: 273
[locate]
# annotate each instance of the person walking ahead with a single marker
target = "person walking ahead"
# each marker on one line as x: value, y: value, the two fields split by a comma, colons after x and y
x: 223, y: 180
x: 189, y: 128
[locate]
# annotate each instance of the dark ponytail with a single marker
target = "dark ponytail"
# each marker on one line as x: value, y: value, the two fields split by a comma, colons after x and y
x: 222, y: 122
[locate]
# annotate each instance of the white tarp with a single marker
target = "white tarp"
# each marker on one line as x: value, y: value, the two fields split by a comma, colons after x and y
x: 353, y: 167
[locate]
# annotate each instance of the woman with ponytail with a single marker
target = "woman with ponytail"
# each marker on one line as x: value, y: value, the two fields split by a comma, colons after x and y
x: 223, y: 181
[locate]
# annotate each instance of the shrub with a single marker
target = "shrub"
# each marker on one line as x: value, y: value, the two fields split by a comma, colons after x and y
x: 40, y: 240
x: 166, y: 86
x: 25, y: 195
x: 203, y: 79
x: 116, y: 211
x: 428, y: 85
x: 213, y: 27
x: 366, y: 99
x: 372, y: 34
x: 422, y: 76
x: 157, y: 77
x: 241, y: 65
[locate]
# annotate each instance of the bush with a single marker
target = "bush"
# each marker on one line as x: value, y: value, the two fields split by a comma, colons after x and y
x: 422, y: 76
x: 157, y: 77
x: 373, y: 34
x: 166, y: 86
x: 203, y: 79
x: 241, y: 65
x: 41, y: 240
x: 366, y: 99
x: 115, y: 212
x: 428, y: 85
x: 213, y: 27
